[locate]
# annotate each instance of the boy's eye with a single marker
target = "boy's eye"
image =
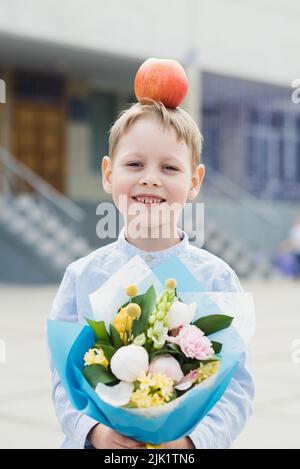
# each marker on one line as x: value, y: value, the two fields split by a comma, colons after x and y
x: 135, y: 163
x: 172, y: 168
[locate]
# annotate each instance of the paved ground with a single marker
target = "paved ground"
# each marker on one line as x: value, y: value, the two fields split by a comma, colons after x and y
x: 27, y: 419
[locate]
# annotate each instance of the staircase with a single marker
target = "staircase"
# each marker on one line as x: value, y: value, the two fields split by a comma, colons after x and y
x: 241, y: 229
x: 37, y: 221
x: 239, y: 256
x: 49, y: 230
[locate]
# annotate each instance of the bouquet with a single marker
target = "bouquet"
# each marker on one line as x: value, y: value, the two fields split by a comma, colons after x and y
x: 151, y: 363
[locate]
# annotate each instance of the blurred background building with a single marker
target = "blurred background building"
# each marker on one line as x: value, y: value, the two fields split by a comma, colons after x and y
x: 69, y: 69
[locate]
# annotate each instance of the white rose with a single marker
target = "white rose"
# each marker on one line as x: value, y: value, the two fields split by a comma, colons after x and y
x: 129, y: 362
x: 180, y: 314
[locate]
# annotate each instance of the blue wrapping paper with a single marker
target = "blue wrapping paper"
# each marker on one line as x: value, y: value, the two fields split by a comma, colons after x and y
x: 69, y: 341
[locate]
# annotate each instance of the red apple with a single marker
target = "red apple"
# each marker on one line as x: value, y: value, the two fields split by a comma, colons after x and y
x: 162, y: 80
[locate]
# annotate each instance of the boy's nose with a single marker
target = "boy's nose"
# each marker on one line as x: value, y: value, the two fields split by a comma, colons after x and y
x: 150, y: 180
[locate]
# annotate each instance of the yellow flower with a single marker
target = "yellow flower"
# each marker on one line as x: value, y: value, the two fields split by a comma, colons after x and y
x: 165, y: 384
x: 154, y: 390
x: 132, y: 290
x: 95, y: 356
x: 133, y: 310
x: 206, y: 370
x: 140, y: 398
x: 122, y: 323
x: 145, y: 380
x: 170, y: 283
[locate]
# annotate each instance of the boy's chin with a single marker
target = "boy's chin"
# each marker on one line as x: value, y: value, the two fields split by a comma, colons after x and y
x: 145, y: 229
x: 144, y: 224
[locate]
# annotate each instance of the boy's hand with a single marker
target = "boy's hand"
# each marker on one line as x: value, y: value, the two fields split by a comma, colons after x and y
x: 103, y: 437
x: 182, y: 443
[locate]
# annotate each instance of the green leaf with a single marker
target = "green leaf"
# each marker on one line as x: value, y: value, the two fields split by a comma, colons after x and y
x: 115, y: 336
x: 148, y: 345
x: 147, y: 304
x: 95, y: 374
x: 213, y: 323
x: 166, y: 350
x: 99, y: 330
x: 175, y: 349
x: 124, y: 304
x: 187, y: 367
x: 217, y: 346
x: 109, y: 350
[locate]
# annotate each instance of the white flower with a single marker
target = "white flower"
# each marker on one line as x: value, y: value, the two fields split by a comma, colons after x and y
x: 181, y: 314
x: 140, y: 339
x: 158, y: 334
x: 117, y: 395
x: 167, y: 365
x: 129, y: 362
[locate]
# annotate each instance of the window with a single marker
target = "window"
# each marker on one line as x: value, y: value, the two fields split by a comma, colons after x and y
x: 266, y: 150
x: 211, y: 135
x: 251, y: 152
x: 78, y: 109
x: 102, y: 113
x: 277, y: 120
x: 38, y: 86
x: 298, y: 162
x: 282, y: 160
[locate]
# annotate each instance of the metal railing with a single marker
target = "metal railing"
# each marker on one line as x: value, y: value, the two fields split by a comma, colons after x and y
x: 13, y: 174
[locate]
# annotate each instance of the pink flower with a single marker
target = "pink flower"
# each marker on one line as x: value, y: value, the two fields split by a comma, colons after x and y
x: 193, y: 343
x: 166, y: 365
x: 187, y: 381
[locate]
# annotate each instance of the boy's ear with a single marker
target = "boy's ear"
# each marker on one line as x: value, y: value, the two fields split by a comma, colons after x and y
x: 106, y: 174
x: 196, y: 181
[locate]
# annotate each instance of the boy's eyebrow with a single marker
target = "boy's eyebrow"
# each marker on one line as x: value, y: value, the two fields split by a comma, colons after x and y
x: 133, y: 154
x: 140, y: 155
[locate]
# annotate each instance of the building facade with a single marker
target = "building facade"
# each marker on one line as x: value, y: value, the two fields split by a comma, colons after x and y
x: 68, y: 69
x: 69, y: 72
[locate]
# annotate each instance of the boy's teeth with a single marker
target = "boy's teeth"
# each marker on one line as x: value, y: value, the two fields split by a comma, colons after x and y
x: 148, y: 200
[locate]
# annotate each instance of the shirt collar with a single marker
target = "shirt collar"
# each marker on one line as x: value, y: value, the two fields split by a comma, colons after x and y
x: 154, y: 257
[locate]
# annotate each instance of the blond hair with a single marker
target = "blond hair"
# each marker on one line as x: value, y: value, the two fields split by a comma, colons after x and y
x: 184, y: 125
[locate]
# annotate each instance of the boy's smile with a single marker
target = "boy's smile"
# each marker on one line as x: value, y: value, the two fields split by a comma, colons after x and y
x: 148, y: 199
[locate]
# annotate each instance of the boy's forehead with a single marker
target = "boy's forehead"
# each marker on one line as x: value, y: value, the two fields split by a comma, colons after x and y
x: 150, y: 131
x: 149, y: 125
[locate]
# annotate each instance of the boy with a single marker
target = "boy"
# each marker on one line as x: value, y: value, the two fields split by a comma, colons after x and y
x: 153, y: 165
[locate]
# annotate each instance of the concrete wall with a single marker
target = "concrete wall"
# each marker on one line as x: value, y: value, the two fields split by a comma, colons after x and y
x: 255, y: 39
x: 252, y: 40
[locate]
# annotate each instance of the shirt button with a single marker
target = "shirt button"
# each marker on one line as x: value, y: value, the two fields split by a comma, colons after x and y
x: 148, y: 258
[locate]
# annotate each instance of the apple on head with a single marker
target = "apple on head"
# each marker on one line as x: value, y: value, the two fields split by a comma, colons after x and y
x: 161, y: 80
